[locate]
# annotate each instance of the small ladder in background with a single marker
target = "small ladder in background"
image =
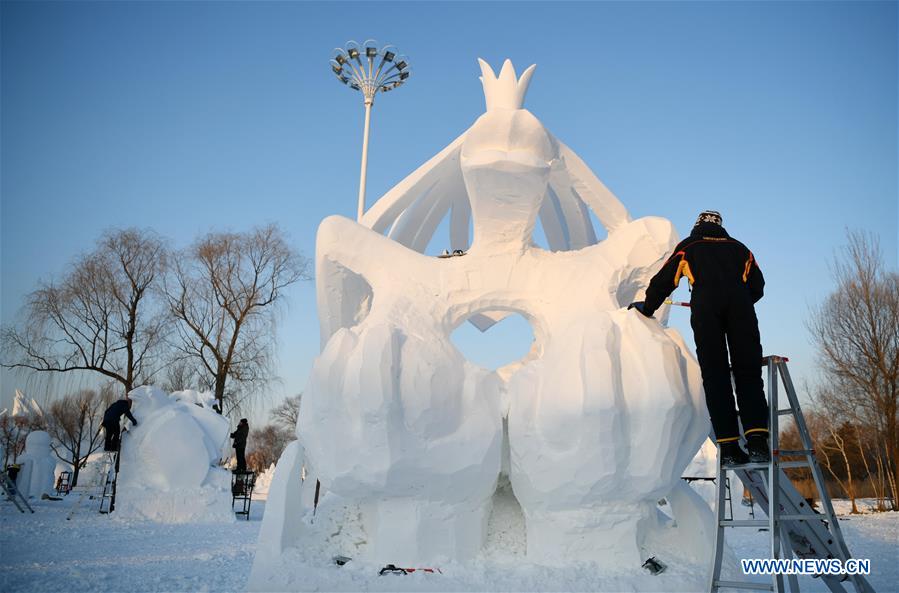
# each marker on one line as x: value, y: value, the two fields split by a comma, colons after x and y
x: 794, y: 527
x: 13, y: 493
x: 64, y: 483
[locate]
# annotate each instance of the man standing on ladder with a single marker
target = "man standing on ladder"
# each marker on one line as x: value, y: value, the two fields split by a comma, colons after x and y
x: 111, y: 420
x: 240, y: 444
x: 726, y: 283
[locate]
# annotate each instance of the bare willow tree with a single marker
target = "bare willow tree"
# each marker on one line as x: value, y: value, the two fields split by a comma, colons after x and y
x: 100, y: 317
x: 287, y: 412
x: 224, y: 292
x: 856, y: 331
x: 266, y: 445
x: 74, y: 423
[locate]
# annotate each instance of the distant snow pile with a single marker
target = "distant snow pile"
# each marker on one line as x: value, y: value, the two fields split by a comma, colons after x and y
x: 169, y: 462
x: 263, y: 481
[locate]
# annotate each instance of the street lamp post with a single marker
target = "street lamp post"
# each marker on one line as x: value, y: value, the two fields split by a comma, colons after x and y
x: 370, y: 69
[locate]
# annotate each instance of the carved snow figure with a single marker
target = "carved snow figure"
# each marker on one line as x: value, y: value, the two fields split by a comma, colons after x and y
x: 38, y: 466
x: 603, y: 414
x: 169, y: 462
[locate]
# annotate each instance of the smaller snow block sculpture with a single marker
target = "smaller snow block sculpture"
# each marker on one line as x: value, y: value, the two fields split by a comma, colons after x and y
x: 169, y: 462
x: 38, y: 465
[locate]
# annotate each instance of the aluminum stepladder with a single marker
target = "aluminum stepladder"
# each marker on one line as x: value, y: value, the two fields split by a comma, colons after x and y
x: 98, y: 490
x: 794, y: 527
x: 110, y: 476
x: 13, y: 493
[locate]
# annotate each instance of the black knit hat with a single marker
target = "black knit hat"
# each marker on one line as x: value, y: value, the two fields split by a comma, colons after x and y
x: 712, y: 216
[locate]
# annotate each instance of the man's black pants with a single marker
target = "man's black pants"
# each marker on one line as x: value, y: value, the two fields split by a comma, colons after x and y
x: 722, y: 322
x: 241, y: 460
x: 113, y: 437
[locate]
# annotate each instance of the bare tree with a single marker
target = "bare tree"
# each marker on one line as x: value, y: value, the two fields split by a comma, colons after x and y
x: 180, y: 374
x: 287, y: 412
x: 833, y: 447
x: 876, y: 482
x: 266, y: 445
x: 13, y: 432
x: 17, y: 424
x: 74, y: 424
x: 856, y: 331
x: 224, y: 291
x: 99, y: 317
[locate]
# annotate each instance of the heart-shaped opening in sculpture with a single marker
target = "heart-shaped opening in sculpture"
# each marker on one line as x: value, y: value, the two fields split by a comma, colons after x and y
x: 505, y: 342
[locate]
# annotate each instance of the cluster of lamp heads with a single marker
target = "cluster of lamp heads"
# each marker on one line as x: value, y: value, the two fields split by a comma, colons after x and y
x: 370, y: 67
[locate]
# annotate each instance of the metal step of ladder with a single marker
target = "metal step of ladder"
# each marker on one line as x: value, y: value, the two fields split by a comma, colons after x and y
x: 12, y: 493
x: 795, y: 529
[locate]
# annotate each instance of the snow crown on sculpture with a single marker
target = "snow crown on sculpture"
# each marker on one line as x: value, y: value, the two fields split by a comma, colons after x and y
x: 506, y: 160
x: 505, y: 91
x: 413, y: 210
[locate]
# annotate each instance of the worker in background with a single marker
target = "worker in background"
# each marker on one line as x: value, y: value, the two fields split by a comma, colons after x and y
x: 112, y: 419
x: 240, y: 444
x: 726, y: 282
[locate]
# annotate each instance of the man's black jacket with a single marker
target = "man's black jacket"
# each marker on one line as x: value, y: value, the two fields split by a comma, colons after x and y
x: 240, y: 435
x: 713, y: 262
x: 113, y: 414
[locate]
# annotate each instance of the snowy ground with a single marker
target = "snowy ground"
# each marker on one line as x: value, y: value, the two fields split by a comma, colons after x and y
x: 93, y: 552
x: 874, y: 536
x: 44, y: 552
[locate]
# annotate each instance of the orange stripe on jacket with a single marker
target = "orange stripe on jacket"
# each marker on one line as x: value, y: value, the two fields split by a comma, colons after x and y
x: 747, y: 268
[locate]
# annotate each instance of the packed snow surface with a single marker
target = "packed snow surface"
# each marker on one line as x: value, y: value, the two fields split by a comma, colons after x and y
x: 102, y: 554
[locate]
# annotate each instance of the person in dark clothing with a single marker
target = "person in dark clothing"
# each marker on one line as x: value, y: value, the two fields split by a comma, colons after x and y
x: 240, y: 444
x: 726, y: 283
x: 112, y: 419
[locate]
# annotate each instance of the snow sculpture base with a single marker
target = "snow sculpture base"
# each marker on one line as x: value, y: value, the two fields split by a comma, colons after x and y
x: 611, y: 537
x: 210, y: 503
x: 503, y: 564
x: 412, y: 532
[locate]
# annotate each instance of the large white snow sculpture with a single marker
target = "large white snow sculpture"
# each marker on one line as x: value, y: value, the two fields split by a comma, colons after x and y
x: 169, y: 462
x: 38, y: 465
x: 603, y: 414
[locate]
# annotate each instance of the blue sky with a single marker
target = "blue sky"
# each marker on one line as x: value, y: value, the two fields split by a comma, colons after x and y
x: 191, y: 117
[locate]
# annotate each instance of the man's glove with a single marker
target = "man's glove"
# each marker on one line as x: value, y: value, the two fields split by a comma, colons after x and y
x: 639, y: 306
x: 134, y: 423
